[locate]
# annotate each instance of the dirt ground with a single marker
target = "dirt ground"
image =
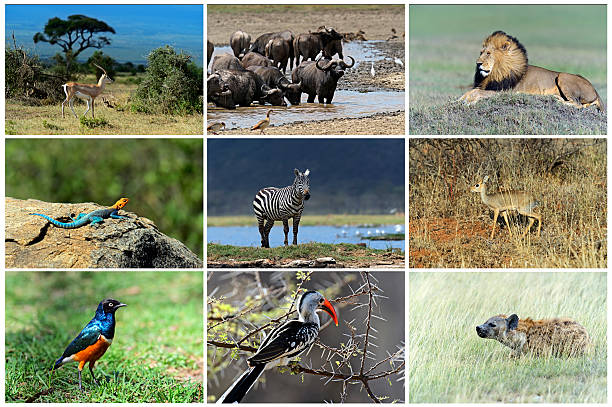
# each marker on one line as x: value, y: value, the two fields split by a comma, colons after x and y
x: 376, y: 21
x: 382, y: 123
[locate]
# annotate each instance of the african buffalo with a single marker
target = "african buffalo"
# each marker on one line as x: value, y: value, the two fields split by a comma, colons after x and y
x: 255, y: 59
x: 209, y: 50
x: 215, y: 87
x: 226, y: 61
x: 246, y: 87
x: 277, y: 50
x: 309, y: 45
x: 274, y: 78
x: 260, y: 43
x: 320, y: 78
x: 240, y: 42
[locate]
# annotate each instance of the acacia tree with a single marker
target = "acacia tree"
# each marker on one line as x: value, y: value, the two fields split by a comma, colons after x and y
x: 236, y: 321
x: 74, y: 36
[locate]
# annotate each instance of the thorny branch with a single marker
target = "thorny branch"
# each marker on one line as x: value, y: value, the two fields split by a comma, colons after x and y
x: 336, y: 365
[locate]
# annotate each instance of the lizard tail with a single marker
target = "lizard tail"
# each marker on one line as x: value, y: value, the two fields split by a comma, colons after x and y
x: 59, y: 224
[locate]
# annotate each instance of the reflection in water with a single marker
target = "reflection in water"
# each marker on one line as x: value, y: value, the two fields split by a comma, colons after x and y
x: 346, y: 104
x: 249, y: 235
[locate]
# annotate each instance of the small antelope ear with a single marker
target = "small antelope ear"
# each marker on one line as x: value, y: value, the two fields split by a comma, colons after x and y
x: 307, y: 172
x: 512, y: 321
x: 296, y: 171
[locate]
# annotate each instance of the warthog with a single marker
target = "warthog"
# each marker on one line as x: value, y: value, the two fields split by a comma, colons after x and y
x: 320, y: 78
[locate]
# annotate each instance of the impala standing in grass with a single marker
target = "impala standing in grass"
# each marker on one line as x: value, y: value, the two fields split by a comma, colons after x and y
x: 85, y: 91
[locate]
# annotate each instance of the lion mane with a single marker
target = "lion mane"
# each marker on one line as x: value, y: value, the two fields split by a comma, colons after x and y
x: 503, y: 65
x: 509, y: 59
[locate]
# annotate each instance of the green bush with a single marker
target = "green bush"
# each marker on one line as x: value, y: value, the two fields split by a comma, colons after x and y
x: 171, y: 84
x: 93, y: 122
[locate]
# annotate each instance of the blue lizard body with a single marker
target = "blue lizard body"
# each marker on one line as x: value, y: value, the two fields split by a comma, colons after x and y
x: 94, y: 217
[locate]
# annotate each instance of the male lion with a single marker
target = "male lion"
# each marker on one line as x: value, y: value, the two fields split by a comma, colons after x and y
x: 502, y: 65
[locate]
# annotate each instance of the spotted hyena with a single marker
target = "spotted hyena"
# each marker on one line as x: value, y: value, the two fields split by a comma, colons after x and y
x: 543, y: 337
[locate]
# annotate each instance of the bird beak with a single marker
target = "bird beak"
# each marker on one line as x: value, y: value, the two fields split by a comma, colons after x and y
x: 327, y: 307
x: 120, y: 305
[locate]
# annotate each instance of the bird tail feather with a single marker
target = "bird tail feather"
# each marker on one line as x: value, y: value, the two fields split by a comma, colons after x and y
x: 237, y: 391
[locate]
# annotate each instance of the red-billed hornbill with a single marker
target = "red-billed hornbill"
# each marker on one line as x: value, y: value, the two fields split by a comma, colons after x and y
x: 283, y: 342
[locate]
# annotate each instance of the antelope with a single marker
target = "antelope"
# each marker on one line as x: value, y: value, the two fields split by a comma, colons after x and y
x: 85, y: 91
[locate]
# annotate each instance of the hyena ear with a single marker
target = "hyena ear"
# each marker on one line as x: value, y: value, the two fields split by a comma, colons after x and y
x: 512, y: 321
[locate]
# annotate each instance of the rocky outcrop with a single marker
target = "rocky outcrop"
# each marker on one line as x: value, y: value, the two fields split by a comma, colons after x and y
x: 32, y: 242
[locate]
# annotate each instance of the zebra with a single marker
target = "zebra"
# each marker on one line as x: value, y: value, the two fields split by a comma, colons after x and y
x: 271, y: 204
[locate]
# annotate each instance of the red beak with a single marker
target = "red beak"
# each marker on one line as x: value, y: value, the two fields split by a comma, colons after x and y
x: 327, y: 307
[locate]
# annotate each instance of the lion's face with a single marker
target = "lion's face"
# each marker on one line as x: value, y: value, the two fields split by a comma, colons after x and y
x: 486, y: 61
x: 501, y: 64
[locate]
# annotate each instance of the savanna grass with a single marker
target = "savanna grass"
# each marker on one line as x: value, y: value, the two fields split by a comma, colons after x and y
x: 449, y: 363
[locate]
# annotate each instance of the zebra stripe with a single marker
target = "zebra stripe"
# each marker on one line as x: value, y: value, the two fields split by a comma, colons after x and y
x: 274, y: 204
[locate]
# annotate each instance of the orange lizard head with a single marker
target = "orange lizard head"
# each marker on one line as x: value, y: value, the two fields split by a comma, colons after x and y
x: 120, y: 203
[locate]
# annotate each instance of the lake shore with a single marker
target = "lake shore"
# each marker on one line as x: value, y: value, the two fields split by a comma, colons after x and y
x: 316, y: 220
x: 308, y: 255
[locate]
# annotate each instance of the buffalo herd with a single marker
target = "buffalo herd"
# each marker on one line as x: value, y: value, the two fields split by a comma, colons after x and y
x: 256, y: 71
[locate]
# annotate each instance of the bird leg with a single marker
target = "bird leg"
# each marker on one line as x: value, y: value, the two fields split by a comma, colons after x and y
x: 80, y: 384
x: 92, y: 373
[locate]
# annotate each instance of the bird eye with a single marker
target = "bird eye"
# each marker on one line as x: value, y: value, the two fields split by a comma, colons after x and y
x: 110, y: 304
x: 321, y: 301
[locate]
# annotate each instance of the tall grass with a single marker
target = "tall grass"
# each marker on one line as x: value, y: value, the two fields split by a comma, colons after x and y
x: 450, y: 226
x: 450, y: 363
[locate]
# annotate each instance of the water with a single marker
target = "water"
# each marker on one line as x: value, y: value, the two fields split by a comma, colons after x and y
x: 346, y: 103
x: 249, y: 235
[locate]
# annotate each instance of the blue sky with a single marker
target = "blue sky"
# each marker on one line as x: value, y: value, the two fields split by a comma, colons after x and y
x: 139, y: 28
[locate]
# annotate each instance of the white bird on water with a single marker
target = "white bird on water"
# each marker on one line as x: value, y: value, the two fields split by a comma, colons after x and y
x: 372, y: 72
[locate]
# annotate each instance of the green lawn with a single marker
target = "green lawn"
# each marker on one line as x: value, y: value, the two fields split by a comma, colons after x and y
x: 449, y: 363
x: 445, y: 42
x: 157, y: 352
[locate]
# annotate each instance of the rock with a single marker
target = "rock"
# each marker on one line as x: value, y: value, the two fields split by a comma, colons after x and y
x: 299, y: 264
x: 324, y: 261
x: 32, y: 242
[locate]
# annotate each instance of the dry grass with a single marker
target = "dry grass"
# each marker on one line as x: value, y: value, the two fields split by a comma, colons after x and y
x: 449, y: 226
x: 47, y: 120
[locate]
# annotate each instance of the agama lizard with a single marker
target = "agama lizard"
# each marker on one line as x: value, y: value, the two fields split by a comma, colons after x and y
x: 91, y: 217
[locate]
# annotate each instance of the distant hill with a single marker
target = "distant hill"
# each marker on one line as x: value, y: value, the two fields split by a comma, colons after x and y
x: 347, y: 175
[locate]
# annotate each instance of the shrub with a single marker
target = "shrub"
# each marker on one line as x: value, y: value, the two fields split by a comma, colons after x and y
x: 25, y: 78
x: 171, y: 84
